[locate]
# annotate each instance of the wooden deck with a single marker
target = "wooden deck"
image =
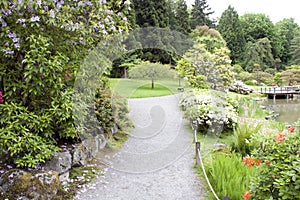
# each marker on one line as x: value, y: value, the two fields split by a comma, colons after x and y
x: 280, y: 92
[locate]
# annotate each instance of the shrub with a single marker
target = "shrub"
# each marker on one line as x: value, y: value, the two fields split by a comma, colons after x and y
x: 229, y: 176
x: 278, y: 177
x: 241, y: 137
x: 22, y: 136
x: 211, y: 109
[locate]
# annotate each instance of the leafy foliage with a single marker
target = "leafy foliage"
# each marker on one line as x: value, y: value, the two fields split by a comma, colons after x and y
x: 231, y: 29
x: 229, y: 176
x: 200, y: 14
x: 278, y: 177
x: 42, y: 45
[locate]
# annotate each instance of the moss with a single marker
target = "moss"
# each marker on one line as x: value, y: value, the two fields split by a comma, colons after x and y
x: 118, y: 140
x: 31, y: 184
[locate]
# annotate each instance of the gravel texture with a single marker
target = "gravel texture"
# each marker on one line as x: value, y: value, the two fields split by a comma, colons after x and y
x: 157, y: 160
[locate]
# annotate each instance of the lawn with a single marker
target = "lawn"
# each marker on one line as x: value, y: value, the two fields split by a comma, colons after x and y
x: 133, y: 88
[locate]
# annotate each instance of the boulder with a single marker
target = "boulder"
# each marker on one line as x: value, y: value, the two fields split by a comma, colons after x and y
x: 18, y: 184
x: 61, y: 162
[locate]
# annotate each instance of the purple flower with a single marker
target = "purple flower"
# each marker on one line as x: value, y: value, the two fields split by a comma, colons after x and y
x: 39, y: 2
x: 1, y: 171
x: 52, y: 15
x: 88, y: 3
x: 4, y: 24
x: 9, y: 52
x: 9, y: 166
x: 46, y: 8
x: 102, y: 1
x: 12, y: 35
x: 17, y: 45
x: 15, y: 40
x: 35, y: 18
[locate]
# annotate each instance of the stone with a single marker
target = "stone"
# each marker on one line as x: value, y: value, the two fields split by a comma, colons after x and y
x: 61, y: 162
x: 64, y: 177
x: 79, y: 157
x: 18, y: 184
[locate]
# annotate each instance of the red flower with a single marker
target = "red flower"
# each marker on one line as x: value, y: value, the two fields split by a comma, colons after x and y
x: 291, y: 129
x: 251, y: 161
x: 280, y: 137
x: 247, y: 195
x: 1, y: 97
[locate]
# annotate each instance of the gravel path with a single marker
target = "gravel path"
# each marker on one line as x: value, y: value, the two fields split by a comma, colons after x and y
x: 157, y: 160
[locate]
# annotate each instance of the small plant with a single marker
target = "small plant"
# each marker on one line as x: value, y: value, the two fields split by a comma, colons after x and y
x: 241, y: 137
x: 229, y: 176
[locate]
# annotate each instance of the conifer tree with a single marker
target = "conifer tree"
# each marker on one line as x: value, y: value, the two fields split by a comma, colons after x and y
x: 230, y: 28
x: 200, y: 14
x: 182, y: 17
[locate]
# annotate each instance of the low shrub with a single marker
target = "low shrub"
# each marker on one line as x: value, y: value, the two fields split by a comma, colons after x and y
x: 213, y: 111
x: 279, y: 175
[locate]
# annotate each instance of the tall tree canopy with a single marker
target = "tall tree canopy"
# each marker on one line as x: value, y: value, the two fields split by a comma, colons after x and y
x: 151, y: 13
x: 258, y: 54
x: 182, y: 17
x: 200, y: 14
x: 295, y: 49
x: 230, y: 28
x: 286, y: 29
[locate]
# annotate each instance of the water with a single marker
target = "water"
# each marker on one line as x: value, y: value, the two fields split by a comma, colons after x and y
x: 289, y: 110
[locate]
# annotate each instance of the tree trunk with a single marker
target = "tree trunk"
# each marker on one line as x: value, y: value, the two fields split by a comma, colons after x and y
x: 152, y: 87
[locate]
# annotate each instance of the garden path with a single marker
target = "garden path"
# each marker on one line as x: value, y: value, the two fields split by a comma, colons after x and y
x: 157, y: 160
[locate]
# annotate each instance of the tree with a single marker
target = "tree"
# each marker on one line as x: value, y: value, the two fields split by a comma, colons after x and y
x: 291, y: 74
x: 286, y: 28
x: 204, y: 69
x: 210, y: 37
x: 295, y: 49
x: 230, y: 28
x: 182, y: 17
x: 151, y: 13
x: 150, y: 71
x: 258, y: 26
x: 259, y: 52
x: 200, y: 14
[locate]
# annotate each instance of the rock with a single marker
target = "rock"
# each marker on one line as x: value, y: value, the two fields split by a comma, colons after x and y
x: 64, y: 177
x: 18, y: 184
x: 79, y: 157
x: 93, y: 145
x: 61, y: 162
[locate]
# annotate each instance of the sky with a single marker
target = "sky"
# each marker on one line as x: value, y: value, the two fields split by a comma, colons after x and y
x: 275, y: 9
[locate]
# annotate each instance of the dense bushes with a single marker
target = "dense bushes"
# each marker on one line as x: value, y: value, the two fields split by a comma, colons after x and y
x: 279, y: 175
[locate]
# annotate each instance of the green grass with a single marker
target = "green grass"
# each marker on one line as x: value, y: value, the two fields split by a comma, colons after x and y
x: 134, y: 88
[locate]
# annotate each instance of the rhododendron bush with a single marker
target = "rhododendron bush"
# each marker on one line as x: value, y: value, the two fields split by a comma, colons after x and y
x: 277, y: 156
x: 42, y: 44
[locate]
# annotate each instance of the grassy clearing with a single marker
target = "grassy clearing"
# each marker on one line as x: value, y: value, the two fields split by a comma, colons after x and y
x: 137, y: 88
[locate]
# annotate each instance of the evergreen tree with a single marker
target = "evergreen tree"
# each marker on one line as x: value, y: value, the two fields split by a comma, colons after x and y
x: 151, y: 13
x: 286, y: 29
x: 230, y: 28
x: 295, y: 50
x: 200, y: 14
x: 182, y: 17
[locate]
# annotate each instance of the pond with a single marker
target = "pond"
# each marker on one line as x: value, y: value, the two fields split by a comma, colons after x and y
x: 288, y: 110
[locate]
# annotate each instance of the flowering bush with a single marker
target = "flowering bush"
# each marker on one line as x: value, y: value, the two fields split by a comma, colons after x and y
x: 278, y: 177
x: 211, y: 109
x: 42, y: 44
